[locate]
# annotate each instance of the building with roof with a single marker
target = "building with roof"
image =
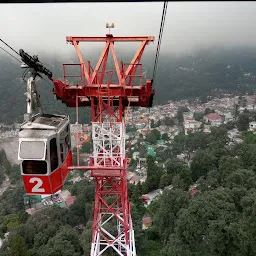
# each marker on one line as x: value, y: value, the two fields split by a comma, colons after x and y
x: 207, y: 129
x: 61, y: 198
x: 146, y: 222
x: 70, y: 200
x: 214, y: 119
x: 136, y: 155
x: 151, y: 151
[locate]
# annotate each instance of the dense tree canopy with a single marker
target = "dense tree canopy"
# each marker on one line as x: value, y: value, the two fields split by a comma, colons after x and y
x: 216, y: 219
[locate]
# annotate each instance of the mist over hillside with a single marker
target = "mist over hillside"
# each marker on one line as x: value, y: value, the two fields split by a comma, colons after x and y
x: 204, y: 72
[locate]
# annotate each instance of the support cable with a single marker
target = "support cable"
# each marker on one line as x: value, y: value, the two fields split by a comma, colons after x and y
x: 159, y: 39
x: 11, y: 55
x: 9, y: 46
x: 26, y: 71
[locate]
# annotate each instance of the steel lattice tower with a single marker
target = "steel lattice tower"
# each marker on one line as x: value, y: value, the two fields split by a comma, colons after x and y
x: 112, y: 223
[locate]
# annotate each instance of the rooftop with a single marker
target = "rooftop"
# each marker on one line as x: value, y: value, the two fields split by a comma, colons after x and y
x: 213, y: 116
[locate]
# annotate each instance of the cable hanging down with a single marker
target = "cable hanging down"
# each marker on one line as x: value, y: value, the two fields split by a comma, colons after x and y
x: 159, y: 39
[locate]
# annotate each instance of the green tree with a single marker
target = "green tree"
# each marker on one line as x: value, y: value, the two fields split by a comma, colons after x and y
x: 157, y: 134
x: 165, y: 180
x: 137, y: 193
x: 198, y: 116
x: 143, y: 151
x: 151, y: 138
x: 157, y: 124
x: 12, y: 200
x: 131, y: 128
x: 180, y: 112
x: 168, y: 121
x: 87, y: 147
x: 220, y: 134
x: 159, y: 153
x: 242, y: 178
x: 179, y: 144
x: 203, y: 162
x: 154, y: 174
x: 243, y: 232
x: 236, y: 111
x: 167, y: 210
x: 152, y: 123
x: 177, y: 182
x: 243, y: 122
x: 165, y: 136
x: 174, y: 166
x: 230, y: 125
x: 226, y: 165
x: 86, y: 237
x: 64, y: 243
x: 249, y: 137
x: 167, y: 153
x: 18, y: 246
x: 208, y: 111
x: 203, y: 227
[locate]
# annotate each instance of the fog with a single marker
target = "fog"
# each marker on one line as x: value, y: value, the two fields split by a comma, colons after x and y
x: 189, y: 26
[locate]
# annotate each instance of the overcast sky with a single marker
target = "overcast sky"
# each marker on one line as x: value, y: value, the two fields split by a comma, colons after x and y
x: 188, y: 25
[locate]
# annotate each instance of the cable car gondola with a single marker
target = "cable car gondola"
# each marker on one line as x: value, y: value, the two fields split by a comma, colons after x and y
x: 45, y: 152
x: 44, y: 139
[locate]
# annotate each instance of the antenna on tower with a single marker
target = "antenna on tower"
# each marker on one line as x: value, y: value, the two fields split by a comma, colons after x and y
x: 109, y: 27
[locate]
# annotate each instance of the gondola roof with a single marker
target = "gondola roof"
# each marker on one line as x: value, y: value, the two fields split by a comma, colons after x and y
x: 42, y: 126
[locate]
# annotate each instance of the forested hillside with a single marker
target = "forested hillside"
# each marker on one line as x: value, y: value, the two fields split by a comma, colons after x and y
x: 6, y: 168
x: 218, y: 219
x: 208, y: 71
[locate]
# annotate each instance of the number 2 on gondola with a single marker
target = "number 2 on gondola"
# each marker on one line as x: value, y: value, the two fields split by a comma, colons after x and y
x: 37, y: 187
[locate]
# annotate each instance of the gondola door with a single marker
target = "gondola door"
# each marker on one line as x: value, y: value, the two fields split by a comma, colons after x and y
x: 54, y: 166
x: 65, y: 153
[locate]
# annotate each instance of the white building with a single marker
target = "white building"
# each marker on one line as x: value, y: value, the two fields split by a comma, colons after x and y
x: 191, y: 125
x: 228, y: 117
x: 252, y: 126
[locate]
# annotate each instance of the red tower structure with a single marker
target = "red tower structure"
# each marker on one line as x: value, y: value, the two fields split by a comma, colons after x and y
x: 112, y: 223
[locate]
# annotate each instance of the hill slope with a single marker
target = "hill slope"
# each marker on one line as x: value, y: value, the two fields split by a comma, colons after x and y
x: 208, y: 71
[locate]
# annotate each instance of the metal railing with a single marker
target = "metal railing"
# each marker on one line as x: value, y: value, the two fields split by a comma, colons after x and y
x: 80, y: 77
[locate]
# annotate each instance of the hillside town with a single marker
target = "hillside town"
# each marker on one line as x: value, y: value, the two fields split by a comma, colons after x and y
x: 170, y: 120
x: 165, y: 119
x: 149, y: 131
x: 224, y: 112
x: 141, y: 119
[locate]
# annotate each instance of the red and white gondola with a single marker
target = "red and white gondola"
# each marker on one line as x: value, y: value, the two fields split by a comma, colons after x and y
x: 45, y: 152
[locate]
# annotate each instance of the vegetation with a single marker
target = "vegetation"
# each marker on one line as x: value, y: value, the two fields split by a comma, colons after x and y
x: 13, y: 171
x: 180, y: 112
x: 217, y: 220
x: 153, y: 136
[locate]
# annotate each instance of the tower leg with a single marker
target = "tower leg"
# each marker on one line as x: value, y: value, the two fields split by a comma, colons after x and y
x: 112, y: 225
